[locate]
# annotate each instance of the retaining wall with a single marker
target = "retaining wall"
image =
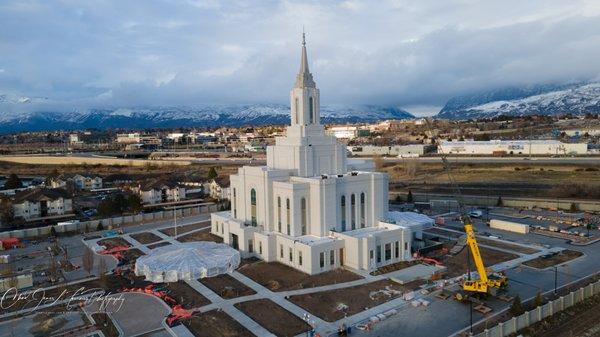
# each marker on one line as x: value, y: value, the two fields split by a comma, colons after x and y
x: 107, y: 223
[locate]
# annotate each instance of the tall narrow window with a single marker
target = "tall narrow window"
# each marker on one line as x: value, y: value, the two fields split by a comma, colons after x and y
x: 279, y: 214
x: 343, y: 212
x: 311, y: 109
x: 303, y: 215
x: 353, y: 211
x: 253, y: 207
x: 288, y: 216
x: 300, y: 257
x: 296, y: 112
x: 362, y: 210
x: 234, y: 204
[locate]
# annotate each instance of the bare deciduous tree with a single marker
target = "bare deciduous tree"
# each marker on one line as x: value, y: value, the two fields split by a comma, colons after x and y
x: 88, y: 261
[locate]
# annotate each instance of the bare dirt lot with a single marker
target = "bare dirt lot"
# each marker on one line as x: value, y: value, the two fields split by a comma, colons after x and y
x: 508, y: 246
x: 545, y: 262
x: 227, y: 286
x: 200, y: 236
x: 161, y: 244
x: 132, y: 255
x: 333, y: 305
x: 279, y: 277
x: 457, y: 264
x: 184, y: 229
x: 215, y: 323
x: 146, y: 237
x: 113, y: 242
x: 273, y: 317
x: 186, y: 295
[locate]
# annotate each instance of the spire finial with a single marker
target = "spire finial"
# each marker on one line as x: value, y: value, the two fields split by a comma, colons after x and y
x: 303, y: 37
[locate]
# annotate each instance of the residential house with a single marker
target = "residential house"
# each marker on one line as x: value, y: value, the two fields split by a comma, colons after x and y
x: 87, y: 183
x: 159, y: 191
x: 41, y: 202
x: 218, y: 188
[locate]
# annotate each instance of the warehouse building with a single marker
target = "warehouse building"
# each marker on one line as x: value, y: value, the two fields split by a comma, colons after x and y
x: 394, y: 150
x: 508, y: 147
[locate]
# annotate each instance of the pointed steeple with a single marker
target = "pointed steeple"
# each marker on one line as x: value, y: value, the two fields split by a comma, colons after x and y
x: 304, y: 78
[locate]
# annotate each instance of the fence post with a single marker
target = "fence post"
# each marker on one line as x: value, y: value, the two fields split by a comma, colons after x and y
x: 562, y: 303
x: 526, y: 318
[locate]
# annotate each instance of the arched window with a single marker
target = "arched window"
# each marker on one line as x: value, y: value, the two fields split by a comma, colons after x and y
x: 234, y: 204
x: 353, y: 211
x: 253, y: 207
x: 311, y: 109
x: 303, y: 215
x: 343, y: 212
x: 362, y: 210
x: 279, y: 214
x: 287, y: 209
x: 296, y: 110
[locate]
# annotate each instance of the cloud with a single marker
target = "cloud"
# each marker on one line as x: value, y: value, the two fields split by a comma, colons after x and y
x: 117, y: 53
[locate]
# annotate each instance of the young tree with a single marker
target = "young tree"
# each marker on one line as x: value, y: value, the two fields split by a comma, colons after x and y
x: 100, y: 227
x: 409, y: 197
x: 538, y: 300
x: 13, y: 182
x: 499, y: 203
x: 88, y: 261
x: 517, y: 308
x: 212, y: 173
x: 102, y: 270
x: 53, y: 231
x: 398, y: 198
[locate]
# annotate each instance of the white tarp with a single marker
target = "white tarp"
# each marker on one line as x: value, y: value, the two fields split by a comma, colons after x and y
x: 187, y: 261
x: 411, y: 219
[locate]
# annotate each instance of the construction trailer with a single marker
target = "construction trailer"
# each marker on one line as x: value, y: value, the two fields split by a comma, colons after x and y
x: 509, y: 226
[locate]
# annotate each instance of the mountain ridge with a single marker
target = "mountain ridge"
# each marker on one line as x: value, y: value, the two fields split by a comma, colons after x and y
x: 32, y: 119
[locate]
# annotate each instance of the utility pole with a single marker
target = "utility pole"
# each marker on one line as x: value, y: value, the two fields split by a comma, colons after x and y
x: 175, y: 219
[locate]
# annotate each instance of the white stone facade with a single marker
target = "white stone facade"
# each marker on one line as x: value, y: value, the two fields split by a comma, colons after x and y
x: 305, y: 208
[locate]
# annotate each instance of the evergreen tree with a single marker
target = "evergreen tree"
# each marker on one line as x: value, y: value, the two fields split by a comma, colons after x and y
x: 499, y: 203
x: 100, y: 227
x: 517, y: 308
x: 212, y: 173
x: 13, y: 182
x: 574, y: 207
x: 134, y: 203
x: 409, y: 197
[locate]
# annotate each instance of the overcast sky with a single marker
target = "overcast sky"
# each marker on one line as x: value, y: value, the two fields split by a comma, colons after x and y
x: 407, y: 53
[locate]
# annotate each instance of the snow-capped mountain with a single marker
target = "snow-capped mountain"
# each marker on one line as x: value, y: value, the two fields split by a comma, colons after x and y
x: 577, y: 99
x: 12, y: 120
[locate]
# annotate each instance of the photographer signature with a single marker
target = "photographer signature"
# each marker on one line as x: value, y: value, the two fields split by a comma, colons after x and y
x: 37, y: 298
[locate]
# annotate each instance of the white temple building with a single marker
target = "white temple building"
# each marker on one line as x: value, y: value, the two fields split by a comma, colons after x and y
x: 311, y: 207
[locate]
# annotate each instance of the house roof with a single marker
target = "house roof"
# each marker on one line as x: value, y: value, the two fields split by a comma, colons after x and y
x: 222, y: 181
x: 40, y: 194
x: 157, y: 184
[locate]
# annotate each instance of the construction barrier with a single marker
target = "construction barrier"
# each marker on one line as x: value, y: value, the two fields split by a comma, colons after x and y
x: 542, y: 312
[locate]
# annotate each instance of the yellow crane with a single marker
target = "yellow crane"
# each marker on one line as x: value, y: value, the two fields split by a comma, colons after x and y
x: 485, y: 283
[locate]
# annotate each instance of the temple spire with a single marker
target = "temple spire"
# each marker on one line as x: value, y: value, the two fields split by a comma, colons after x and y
x: 304, y: 77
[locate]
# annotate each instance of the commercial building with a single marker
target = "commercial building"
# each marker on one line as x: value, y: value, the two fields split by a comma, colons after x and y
x: 307, y: 208
x: 508, y: 147
x: 394, y: 150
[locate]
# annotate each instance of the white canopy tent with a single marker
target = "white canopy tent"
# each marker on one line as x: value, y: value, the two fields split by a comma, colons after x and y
x: 187, y: 261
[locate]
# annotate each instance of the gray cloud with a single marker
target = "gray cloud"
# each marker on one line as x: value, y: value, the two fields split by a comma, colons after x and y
x: 116, y: 53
